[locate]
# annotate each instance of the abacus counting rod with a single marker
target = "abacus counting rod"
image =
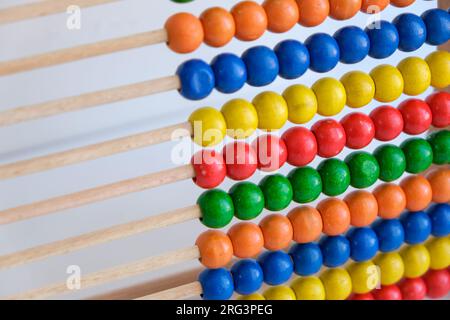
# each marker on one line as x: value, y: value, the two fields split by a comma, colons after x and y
x: 94, y: 151
x: 104, y: 192
x: 115, y: 273
x: 87, y: 100
x: 178, y: 293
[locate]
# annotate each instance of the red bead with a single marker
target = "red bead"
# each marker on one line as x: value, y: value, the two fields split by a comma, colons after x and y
x: 241, y: 160
x: 271, y: 152
x: 209, y: 168
x: 416, y: 116
x: 438, y: 283
x: 439, y: 104
x: 362, y: 296
x: 359, y: 130
x: 391, y: 292
x: 388, y: 123
x: 413, y: 289
x: 301, y: 146
x: 330, y: 136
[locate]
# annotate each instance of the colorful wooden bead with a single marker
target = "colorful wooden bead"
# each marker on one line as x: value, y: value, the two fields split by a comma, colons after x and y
x: 359, y: 130
x: 250, y: 19
x: 262, y: 65
x: 302, y: 103
x: 184, y: 32
x: 354, y: 44
x: 293, y: 58
x: 391, y: 292
x: 364, y: 169
x: 216, y: 249
x: 230, y: 72
x: 438, y: 283
x: 384, y: 40
x: 277, y: 231
x: 439, y: 104
x: 392, y: 162
x: 417, y: 226
x: 240, y: 159
x: 272, y: 152
x: 365, y: 276
x: 279, y: 293
x: 247, y: 276
x: 388, y: 123
x: 363, y: 243
x: 440, y: 185
x: 209, y: 168
x: 402, y: 3
x: 306, y: 184
x: 248, y: 200
x: 323, y: 51
x: 391, y: 267
x: 301, y: 145
x: 307, y: 258
x: 331, y: 96
x: 196, y: 79
x: 282, y: 15
x: 363, y: 208
x: 277, y: 192
x: 416, y: 115
x: 252, y: 297
x: 440, y: 143
x: 439, y: 249
x: 418, y: 192
x: 413, y: 289
x: 388, y: 83
x: 412, y: 31
x: 390, y: 234
x: 362, y: 296
x: 216, y: 207
x: 241, y: 118
x: 418, y: 153
x: 277, y: 267
x: 217, y: 284
x: 308, y: 288
x: 391, y: 200
x: 218, y: 25
x: 344, y: 9
x: 438, y: 26
x: 416, y: 259
x: 306, y: 224
x: 439, y: 63
x: 208, y: 125
x: 416, y: 75
x: 272, y: 110
x: 337, y: 284
x: 359, y: 88
x: 335, y: 250
x: 335, y: 216
x: 312, y: 13
x: 247, y: 239
x: 330, y: 136
x: 335, y: 176
x: 440, y: 219
x: 374, y: 6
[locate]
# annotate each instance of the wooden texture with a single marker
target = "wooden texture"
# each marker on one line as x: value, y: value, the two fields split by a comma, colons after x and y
x: 178, y: 293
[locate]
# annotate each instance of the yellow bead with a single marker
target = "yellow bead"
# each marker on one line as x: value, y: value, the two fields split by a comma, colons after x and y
x: 272, y: 110
x: 439, y: 63
x: 331, y: 96
x: 359, y: 87
x: 241, y: 118
x: 308, y: 288
x: 208, y: 125
x: 302, y: 103
x: 337, y: 284
x: 365, y: 276
x: 388, y: 83
x: 279, y: 293
x: 439, y: 249
x: 416, y: 260
x: 253, y: 296
x: 391, y: 267
x: 416, y: 75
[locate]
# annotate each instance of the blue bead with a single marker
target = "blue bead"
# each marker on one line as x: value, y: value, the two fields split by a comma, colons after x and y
x: 440, y: 219
x: 417, y: 226
x: 438, y: 26
x: 335, y: 250
x: 390, y: 234
x: 277, y: 267
x: 248, y: 276
x: 354, y: 44
x: 411, y: 30
x: 293, y: 58
x: 197, y: 79
x: 323, y: 52
x: 217, y: 284
x: 262, y: 66
x: 363, y: 243
x: 307, y: 258
x: 383, y: 40
x: 230, y: 72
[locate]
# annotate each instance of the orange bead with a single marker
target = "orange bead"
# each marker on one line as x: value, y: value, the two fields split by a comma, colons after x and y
x: 306, y: 223
x: 335, y: 216
x: 282, y: 15
x: 312, y: 12
x: 402, y: 3
x: 344, y: 9
x: 418, y: 192
x: 374, y: 6
x: 440, y: 185
x: 277, y: 232
x: 184, y: 32
x: 218, y: 25
x: 391, y: 200
x: 216, y: 249
x: 363, y: 208
x: 247, y: 239
x: 250, y: 19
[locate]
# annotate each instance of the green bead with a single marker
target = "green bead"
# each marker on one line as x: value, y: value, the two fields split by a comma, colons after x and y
x: 440, y: 143
x: 364, y: 169
x: 217, y: 208
x: 182, y: 1
x: 392, y: 162
x: 306, y: 183
x: 248, y: 200
x: 277, y: 192
x: 418, y: 153
x: 335, y: 176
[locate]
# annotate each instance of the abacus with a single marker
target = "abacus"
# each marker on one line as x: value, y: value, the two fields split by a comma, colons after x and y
x: 338, y: 172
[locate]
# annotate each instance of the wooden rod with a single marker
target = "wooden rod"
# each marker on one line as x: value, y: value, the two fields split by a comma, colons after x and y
x: 115, y: 273
x: 101, y: 193
x: 94, y: 151
x: 44, y: 8
x: 101, y: 236
x: 178, y: 293
x: 87, y: 100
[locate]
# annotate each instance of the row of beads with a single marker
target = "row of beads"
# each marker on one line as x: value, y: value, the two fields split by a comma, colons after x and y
x: 259, y: 66
x: 268, y: 111
x: 247, y: 20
